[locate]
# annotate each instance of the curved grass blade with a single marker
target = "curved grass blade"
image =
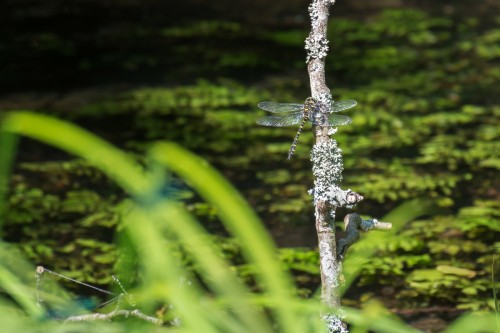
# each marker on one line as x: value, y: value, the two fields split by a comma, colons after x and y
x: 103, y: 155
x: 219, y: 276
x: 239, y: 219
x: 159, y: 265
x: 164, y: 276
x: 13, y: 270
x: 75, y: 140
x: 474, y: 322
x: 8, y: 144
x: 376, y: 321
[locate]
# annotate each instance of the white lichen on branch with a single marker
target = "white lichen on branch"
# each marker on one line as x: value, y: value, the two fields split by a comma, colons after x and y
x: 325, y: 101
x: 327, y: 168
x: 317, y: 47
x: 316, y: 42
x: 334, y: 323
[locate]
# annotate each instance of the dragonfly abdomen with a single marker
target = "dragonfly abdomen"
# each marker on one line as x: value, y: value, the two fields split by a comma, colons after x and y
x: 294, y: 143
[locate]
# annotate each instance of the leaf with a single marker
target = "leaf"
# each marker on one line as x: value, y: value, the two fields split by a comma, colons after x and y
x: 456, y: 271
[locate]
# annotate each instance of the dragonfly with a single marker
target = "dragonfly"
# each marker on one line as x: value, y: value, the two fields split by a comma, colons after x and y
x: 288, y: 114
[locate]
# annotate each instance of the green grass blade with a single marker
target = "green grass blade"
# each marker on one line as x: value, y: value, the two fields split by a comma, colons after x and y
x: 14, y: 279
x: 164, y: 276
x: 218, y: 274
x: 68, y: 137
x: 8, y: 144
x: 119, y: 167
x: 376, y: 321
x: 130, y: 175
x: 494, y: 290
x: 238, y: 218
x: 474, y: 322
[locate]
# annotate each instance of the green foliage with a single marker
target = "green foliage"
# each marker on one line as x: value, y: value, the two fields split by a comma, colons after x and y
x: 426, y: 126
x: 456, y: 266
x: 204, y: 29
x: 155, y: 222
x: 301, y: 260
x: 85, y: 220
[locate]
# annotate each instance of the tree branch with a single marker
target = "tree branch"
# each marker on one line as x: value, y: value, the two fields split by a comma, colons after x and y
x: 353, y: 222
x: 327, y: 168
x: 113, y: 314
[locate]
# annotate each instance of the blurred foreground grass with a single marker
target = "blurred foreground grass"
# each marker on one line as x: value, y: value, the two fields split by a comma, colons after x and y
x: 214, y: 299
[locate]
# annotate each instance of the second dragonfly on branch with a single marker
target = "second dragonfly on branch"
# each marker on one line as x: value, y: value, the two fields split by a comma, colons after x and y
x: 294, y: 113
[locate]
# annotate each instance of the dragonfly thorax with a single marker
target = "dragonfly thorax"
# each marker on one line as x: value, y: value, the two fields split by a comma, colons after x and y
x: 310, y: 106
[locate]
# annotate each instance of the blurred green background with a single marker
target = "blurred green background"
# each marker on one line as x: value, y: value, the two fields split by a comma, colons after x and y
x: 426, y: 75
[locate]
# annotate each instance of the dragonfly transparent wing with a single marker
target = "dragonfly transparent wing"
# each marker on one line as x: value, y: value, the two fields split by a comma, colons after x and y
x: 343, y: 105
x: 331, y: 120
x: 285, y: 120
x: 280, y: 107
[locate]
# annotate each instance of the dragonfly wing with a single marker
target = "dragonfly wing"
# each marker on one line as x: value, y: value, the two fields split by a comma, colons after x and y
x: 280, y: 107
x: 343, y: 105
x: 333, y: 120
x: 286, y: 120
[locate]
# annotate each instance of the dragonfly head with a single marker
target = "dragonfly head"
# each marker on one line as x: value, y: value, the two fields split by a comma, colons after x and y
x: 311, y: 101
x: 310, y: 106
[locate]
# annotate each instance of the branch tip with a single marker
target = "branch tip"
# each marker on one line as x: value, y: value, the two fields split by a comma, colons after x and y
x: 353, y: 223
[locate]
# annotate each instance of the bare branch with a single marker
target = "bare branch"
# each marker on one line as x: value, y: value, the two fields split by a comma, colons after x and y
x: 353, y: 223
x: 113, y: 314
